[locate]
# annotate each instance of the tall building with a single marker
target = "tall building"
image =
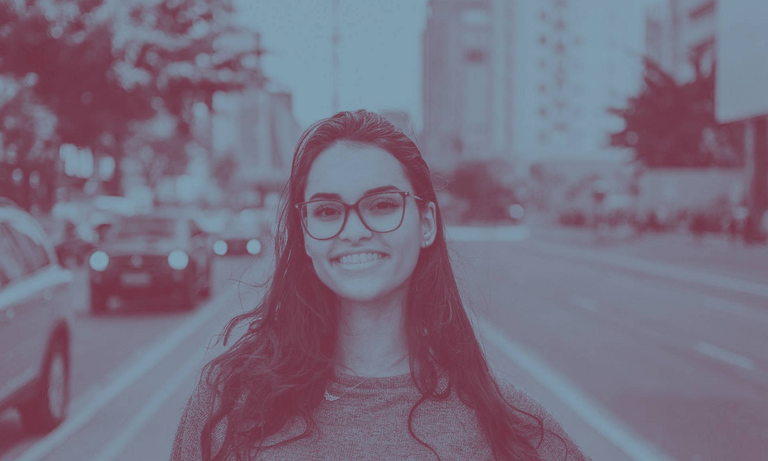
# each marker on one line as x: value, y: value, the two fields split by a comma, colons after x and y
x: 680, y: 32
x: 528, y: 79
x: 257, y: 126
x: 457, y: 86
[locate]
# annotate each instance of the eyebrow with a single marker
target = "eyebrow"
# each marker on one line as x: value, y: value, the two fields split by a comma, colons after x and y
x: 369, y: 191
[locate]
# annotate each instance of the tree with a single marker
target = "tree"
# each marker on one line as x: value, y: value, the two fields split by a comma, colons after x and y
x: 100, y: 66
x: 673, y: 125
x: 480, y: 184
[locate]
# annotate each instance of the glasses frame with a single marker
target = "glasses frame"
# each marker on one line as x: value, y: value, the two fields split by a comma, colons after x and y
x: 302, y: 216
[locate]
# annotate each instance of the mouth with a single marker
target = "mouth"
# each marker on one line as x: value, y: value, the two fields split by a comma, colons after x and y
x: 360, y: 261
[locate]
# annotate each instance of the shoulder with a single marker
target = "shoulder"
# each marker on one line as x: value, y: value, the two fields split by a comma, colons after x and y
x: 202, y: 403
x: 553, y: 442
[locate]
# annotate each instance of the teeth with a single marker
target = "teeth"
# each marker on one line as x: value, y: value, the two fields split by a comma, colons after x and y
x: 360, y: 258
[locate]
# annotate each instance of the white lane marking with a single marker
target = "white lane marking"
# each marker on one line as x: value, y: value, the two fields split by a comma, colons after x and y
x: 117, y: 445
x: 486, y: 234
x: 664, y: 270
x: 710, y: 350
x: 612, y: 428
x: 583, y: 302
x: 74, y: 423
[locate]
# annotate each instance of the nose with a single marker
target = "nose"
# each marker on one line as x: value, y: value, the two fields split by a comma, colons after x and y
x: 354, y: 229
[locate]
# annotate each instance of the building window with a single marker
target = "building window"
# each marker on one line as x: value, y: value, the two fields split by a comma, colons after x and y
x: 559, y: 47
x: 543, y: 15
x: 543, y: 89
x: 543, y: 39
x: 543, y: 112
x: 559, y: 25
x: 476, y: 56
x: 702, y: 11
x: 562, y: 126
x: 542, y: 64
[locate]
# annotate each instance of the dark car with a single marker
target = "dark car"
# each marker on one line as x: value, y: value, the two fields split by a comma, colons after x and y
x: 245, y: 235
x: 239, y: 240
x: 35, y: 323
x: 159, y: 255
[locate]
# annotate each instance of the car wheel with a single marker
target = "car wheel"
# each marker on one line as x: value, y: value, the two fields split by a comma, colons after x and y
x: 48, y: 408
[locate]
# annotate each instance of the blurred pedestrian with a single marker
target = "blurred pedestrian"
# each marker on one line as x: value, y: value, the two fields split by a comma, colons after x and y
x: 361, y: 347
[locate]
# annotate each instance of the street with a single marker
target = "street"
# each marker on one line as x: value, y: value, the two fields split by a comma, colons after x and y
x: 648, y: 349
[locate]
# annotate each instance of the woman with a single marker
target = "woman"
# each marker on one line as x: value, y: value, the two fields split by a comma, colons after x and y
x: 361, y: 347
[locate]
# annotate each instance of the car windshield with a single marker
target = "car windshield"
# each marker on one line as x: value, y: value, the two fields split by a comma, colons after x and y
x: 142, y: 227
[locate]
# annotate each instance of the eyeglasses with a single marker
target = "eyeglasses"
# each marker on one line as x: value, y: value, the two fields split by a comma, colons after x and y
x: 324, y: 219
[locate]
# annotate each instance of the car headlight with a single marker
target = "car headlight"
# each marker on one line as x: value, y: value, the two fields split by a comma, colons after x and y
x: 253, y: 247
x: 516, y: 211
x: 220, y: 247
x: 99, y: 261
x: 178, y: 259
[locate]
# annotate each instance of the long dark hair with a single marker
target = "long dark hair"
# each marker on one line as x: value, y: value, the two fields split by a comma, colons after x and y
x: 277, y: 370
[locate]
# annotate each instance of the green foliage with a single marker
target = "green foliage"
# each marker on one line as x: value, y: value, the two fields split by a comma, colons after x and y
x: 480, y: 183
x: 672, y: 125
x: 99, y: 67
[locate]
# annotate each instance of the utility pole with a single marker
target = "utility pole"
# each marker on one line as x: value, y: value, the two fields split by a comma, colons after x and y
x: 335, y: 43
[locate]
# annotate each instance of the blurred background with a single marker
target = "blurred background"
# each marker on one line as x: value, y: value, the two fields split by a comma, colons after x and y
x: 602, y: 166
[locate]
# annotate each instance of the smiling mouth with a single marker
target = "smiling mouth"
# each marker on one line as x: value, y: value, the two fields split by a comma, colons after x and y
x: 357, y: 260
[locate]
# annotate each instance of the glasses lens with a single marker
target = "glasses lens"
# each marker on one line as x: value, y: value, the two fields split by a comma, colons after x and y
x: 380, y: 212
x: 324, y: 219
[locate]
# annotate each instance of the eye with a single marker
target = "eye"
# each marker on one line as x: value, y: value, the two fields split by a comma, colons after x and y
x: 326, y: 211
x: 384, y: 204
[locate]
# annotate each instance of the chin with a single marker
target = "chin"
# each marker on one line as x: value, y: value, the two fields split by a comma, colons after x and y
x: 359, y: 293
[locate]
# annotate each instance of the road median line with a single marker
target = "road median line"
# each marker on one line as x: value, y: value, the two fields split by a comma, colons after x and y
x: 599, y: 418
x: 117, y: 445
x: 126, y: 378
x: 654, y: 268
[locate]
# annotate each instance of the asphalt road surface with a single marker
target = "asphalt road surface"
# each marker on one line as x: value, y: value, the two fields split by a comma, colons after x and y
x: 639, y: 355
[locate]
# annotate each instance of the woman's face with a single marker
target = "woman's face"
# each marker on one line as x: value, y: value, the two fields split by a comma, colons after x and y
x: 351, y: 171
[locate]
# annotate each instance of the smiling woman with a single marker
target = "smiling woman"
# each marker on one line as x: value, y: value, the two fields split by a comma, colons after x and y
x: 361, y: 347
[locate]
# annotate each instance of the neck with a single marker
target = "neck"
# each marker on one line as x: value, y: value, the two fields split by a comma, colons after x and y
x: 372, y: 339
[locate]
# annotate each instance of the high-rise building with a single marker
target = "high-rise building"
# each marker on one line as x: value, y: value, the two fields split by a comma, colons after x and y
x: 457, y: 86
x: 258, y: 127
x: 528, y: 79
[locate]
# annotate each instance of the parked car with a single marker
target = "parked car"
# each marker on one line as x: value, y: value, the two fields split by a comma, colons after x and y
x: 157, y: 255
x: 35, y: 323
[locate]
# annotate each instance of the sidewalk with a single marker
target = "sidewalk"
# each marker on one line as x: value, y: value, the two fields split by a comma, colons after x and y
x: 712, y: 255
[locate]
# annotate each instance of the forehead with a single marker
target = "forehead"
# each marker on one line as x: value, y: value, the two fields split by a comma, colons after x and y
x: 350, y: 170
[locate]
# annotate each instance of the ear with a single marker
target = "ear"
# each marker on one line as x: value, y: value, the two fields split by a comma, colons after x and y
x: 428, y: 225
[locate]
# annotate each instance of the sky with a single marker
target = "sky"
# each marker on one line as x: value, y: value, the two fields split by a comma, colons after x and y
x: 380, y: 51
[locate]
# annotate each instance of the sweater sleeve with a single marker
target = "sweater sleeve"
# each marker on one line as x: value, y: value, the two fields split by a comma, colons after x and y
x: 550, y: 447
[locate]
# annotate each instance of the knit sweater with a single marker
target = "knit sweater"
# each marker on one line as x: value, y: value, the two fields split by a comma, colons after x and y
x: 370, y: 422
